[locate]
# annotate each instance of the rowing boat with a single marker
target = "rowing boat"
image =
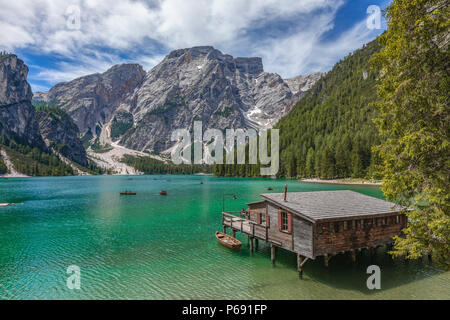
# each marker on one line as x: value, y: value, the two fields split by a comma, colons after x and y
x: 228, y: 241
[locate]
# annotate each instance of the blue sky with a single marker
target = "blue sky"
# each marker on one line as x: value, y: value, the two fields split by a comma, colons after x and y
x: 61, y: 40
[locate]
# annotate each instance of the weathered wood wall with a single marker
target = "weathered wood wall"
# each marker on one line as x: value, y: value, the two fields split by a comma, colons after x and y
x: 274, y: 233
x: 328, y: 241
x: 303, y: 237
x: 255, y: 208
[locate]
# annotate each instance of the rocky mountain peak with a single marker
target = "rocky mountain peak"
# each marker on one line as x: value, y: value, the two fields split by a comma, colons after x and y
x: 17, y: 115
x: 14, y: 87
x: 90, y: 100
x: 139, y: 110
x: 207, y: 54
x: 303, y: 83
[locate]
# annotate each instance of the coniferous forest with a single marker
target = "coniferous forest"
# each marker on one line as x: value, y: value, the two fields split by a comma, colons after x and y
x: 329, y: 133
x: 149, y: 165
x: 33, y: 161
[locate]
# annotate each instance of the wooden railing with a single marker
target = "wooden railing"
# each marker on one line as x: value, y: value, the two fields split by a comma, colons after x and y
x: 239, y: 224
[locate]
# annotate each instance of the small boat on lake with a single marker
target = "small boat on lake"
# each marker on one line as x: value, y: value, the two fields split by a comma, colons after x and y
x: 228, y: 241
x: 9, y: 204
x: 128, y: 193
x: 163, y: 193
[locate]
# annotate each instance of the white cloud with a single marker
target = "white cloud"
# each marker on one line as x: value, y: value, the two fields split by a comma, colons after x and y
x: 133, y: 27
x: 305, y: 52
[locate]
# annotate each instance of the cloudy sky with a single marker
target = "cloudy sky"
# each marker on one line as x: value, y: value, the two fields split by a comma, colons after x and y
x: 62, y: 40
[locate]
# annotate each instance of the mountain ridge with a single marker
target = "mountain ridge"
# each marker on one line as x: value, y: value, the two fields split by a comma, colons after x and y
x: 198, y: 83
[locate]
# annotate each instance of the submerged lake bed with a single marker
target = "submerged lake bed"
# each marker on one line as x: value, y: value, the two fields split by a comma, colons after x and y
x: 148, y: 246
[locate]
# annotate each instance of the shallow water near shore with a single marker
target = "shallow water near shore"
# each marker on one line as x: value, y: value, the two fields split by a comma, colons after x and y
x: 149, y: 246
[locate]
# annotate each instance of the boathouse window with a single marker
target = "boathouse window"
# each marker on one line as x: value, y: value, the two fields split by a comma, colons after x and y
x: 383, y: 221
x: 353, y: 224
x: 284, y: 221
x: 260, y: 218
x: 336, y: 227
x: 374, y: 222
x: 345, y: 225
x: 361, y: 224
x: 331, y: 227
x: 397, y: 219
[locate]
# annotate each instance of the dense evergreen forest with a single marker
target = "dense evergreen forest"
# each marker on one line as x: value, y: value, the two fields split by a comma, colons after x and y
x: 3, y: 168
x: 149, y: 165
x: 329, y: 133
x: 32, y: 161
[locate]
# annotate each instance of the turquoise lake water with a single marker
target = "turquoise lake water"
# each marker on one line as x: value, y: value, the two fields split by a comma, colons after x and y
x: 154, y: 247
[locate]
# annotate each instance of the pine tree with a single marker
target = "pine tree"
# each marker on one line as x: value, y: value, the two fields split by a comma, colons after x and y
x: 414, y: 123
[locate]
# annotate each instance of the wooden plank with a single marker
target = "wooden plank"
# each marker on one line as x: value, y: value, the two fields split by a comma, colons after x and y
x: 303, y: 237
x: 274, y: 234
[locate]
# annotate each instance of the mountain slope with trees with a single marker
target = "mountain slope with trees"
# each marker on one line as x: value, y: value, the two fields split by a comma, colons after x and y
x: 329, y: 133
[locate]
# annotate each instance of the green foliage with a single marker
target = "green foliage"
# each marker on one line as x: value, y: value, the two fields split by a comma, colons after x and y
x: 169, y: 105
x: 153, y: 166
x: 238, y: 170
x: 3, y: 168
x: 51, y: 110
x: 121, y: 123
x: 86, y: 139
x: 414, y: 123
x: 329, y: 133
x: 32, y: 161
x: 99, y: 148
x: 227, y: 111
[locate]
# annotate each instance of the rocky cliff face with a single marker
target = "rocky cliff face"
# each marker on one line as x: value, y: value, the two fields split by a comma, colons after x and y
x: 201, y: 83
x: 140, y: 110
x: 61, y: 133
x: 301, y: 84
x: 91, y: 100
x: 17, y: 115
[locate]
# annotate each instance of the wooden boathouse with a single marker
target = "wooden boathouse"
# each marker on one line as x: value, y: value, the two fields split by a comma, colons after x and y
x: 322, y: 223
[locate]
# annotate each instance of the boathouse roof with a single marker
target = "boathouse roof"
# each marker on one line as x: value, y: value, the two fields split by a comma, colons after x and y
x: 332, y: 205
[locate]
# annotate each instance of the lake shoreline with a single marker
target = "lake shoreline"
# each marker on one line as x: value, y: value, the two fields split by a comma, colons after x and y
x: 343, y: 181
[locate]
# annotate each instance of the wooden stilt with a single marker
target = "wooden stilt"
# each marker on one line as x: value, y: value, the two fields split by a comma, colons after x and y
x: 353, y: 255
x: 272, y: 253
x: 256, y: 243
x: 325, y: 260
x: 234, y: 233
x: 251, y: 243
x: 299, y: 265
x: 224, y: 229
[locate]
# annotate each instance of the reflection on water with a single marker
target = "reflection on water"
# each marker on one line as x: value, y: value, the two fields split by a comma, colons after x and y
x: 154, y: 247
